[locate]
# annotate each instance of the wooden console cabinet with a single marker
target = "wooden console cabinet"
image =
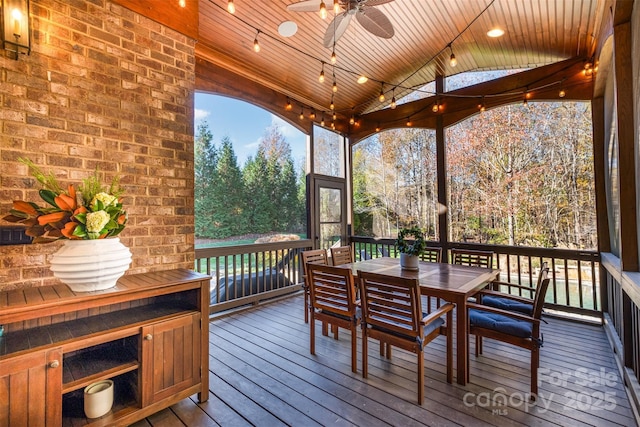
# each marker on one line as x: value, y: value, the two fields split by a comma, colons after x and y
x: 149, y: 334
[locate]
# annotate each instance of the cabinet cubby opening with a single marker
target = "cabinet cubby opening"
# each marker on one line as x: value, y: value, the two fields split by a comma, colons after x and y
x: 125, y: 395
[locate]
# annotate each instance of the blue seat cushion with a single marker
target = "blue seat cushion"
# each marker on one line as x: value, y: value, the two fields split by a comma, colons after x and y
x: 500, y: 323
x: 508, y: 304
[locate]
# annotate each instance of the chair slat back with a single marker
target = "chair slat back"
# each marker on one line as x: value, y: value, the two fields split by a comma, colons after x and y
x: 541, y: 292
x: 341, y: 255
x: 472, y: 257
x: 316, y: 256
x: 432, y: 254
x: 332, y: 289
x: 391, y: 303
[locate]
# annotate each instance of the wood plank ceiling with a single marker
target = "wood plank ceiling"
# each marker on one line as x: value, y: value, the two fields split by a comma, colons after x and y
x: 537, y: 33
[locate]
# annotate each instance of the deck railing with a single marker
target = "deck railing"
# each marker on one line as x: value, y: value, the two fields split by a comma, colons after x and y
x: 575, y: 282
x: 248, y: 274
x: 621, y: 304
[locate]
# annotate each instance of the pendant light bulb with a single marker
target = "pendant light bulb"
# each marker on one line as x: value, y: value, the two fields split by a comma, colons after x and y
x: 231, y: 8
x: 323, y: 10
x: 336, y: 6
x: 289, y: 106
x: 562, y: 93
x: 256, y: 44
x: 183, y: 3
x: 321, y: 76
x: 334, y: 58
x: 452, y: 59
x: 335, y: 87
x: 393, y: 103
x: 332, y: 106
x: 301, y: 114
x: 312, y: 115
x: 322, y: 121
x: 435, y: 107
x: 409, y: 123
x: 335, y: 116
x: 381, y: 96
x: 352, y: 120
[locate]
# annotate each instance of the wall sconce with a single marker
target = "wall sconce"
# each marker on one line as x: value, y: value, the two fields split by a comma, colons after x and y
x: 16, y: 35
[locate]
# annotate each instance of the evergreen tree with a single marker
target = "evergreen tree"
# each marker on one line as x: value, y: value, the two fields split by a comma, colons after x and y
x: 259, y: 205
x: 205, y: 162
x: 228, y: 195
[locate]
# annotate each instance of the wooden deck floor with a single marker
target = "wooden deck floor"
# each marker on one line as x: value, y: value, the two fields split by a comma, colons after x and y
x: 261, y: 373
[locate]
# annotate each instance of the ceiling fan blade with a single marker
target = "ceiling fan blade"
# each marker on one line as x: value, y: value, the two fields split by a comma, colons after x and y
x: 305, y: 6
x: 341, y: 23
x: 377, y: 2
x: 375, y: 22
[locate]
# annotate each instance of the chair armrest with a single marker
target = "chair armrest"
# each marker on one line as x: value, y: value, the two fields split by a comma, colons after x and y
x: 513, y: 315
x: 487, y: 292
x: 514, y: 285
x: 438, y: 313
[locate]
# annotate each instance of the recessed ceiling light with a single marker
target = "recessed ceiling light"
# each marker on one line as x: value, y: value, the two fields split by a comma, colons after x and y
x: 496, y: 32
x: 287, y: 28
x: 362, y: 79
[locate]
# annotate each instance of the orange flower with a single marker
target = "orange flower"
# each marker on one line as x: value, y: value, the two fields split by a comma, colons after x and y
x: 66, y: 203
x: 67, y: 231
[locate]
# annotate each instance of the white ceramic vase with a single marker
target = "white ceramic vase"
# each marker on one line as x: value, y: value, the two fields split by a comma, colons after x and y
x: 91, y: 265
x: 98, y: 398
x: 409, y: 262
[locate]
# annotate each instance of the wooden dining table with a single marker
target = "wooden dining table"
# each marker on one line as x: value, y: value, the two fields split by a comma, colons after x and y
x: 453, y: 283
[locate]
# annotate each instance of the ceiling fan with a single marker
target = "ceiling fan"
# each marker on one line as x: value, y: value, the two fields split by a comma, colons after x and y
x: 368, y: 16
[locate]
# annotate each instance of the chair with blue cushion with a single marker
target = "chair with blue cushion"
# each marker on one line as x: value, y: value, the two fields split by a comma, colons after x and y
x: 333, y: 301
x: 509, y: 302
x: 392, y: 313
x: 511, y: 327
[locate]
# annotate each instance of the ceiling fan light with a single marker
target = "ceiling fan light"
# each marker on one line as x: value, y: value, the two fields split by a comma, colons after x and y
x: 231, y: 8
x: 495, y: 32
x: 323, y: 10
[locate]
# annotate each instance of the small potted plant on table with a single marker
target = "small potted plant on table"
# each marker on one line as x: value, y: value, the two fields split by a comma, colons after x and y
x: 410, y: 249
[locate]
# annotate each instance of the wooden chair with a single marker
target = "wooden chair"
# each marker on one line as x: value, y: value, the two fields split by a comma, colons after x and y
x: 333, y: 301
x: 432, y: 254
x: 392, y: 313
x: 506, y: 301
x: 341, y: 255
x: 513, y: 328
x: 472, y: 258
x: 316, y: 256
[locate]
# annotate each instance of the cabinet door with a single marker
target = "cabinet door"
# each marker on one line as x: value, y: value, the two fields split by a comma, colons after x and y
x: 170, y: 357
x: 31, y: 390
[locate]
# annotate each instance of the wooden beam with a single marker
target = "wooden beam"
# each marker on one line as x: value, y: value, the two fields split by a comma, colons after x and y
x: 623, y: 67
x: 168, y: 12
x: 441, y: 167
x: 544, y: 84
x: 602, y: 222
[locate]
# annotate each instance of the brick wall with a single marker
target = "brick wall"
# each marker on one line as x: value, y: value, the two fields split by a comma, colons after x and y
x: 103, y: 87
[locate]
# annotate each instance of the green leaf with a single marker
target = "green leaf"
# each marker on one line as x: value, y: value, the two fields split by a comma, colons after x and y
x: 49, y: 197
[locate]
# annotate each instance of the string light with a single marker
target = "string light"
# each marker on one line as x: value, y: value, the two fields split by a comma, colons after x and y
x: 321, y: 76
x: 436, y: 107
x: 323, y: 10
x: 335, y: 116
x: 481, y: 106
x: 452, y: 59
x: 334, y: 88
x: 288, y: 107
x: 301, y: 113
x: 362, y: 79
x: 231, y: 8
x: 562, y: 93
x: 333, y: 125
x: 332, y: 106
x: 381, y: 96
x: 409, y: 124
x: 256, y: 45
x: 312, y: 115
x: 336, y: 6
x: 378, y: 127
x: 352, y: 120
x: 322, y: 121
x: 182, y: 3
x: 393, y: 99
x: 334, y: 58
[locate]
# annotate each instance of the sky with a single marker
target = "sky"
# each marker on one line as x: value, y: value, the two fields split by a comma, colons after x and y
x: 244, y: 124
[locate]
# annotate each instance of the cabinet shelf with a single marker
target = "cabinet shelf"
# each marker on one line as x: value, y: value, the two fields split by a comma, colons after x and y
x: 99, y: 362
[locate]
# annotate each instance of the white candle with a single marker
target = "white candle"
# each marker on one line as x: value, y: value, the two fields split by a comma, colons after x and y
x: 17, y: 17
